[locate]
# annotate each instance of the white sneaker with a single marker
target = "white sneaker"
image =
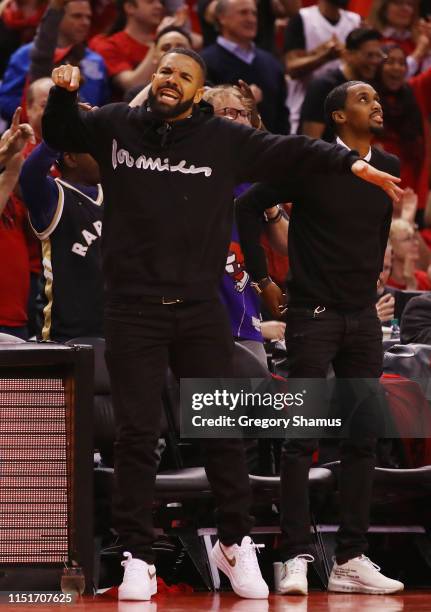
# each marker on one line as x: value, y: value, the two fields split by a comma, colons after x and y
x: 361, y: 575
x: 240, y: 565
x: 139, y: 581
x: 294, y: 575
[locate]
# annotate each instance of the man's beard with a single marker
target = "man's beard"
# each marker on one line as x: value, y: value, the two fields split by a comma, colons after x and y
x: 164, y: 111
x: 377, y: 130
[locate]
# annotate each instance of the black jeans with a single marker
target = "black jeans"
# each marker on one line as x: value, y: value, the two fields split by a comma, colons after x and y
x: 141, y: 340
x: 352, y: 343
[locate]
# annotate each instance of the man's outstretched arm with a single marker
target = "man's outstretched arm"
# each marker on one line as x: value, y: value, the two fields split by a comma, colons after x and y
x: 263, y: 157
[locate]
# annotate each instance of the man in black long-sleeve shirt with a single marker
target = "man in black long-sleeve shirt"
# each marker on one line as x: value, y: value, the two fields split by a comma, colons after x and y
x: 338, y: 232
x: 168, y: 169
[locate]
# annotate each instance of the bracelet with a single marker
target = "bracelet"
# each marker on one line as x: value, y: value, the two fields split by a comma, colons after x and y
x: 277, y: 217
x: 260, y: 285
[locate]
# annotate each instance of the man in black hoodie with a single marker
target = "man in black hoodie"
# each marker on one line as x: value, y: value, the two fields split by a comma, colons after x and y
x: 168, y: 171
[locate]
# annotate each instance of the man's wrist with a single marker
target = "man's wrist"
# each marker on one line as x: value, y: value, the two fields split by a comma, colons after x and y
x: 270, y: 218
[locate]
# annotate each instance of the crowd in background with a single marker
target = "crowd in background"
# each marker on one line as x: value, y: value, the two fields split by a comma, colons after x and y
x: 285, y: 57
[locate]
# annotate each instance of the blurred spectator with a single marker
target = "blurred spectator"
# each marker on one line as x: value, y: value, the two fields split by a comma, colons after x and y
x: 361, y: 59
x: 66, y: 215
x: 169, y: 38
x: 405, y: 247
x: 23, y: 16
x: 18, y: 22
x: 125, y: 51
x: 36, y: 99
x: 416, y: 320
x: 235, y: 56
x: 398, y: 20
x: 406, y: 108
x: 166, y: 39
x: 14, y: 254
x: 241, y: 301
x: 267, y: 12
x: 69, y: 27
x: 385, y: 304
x: 314, y: 42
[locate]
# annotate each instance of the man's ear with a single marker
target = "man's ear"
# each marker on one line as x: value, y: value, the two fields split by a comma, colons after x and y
x: 199, y: 95
x: 339, y: 117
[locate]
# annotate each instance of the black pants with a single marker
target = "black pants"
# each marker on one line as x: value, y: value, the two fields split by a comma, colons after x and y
x: 141, y: 339
x: 352, y: 343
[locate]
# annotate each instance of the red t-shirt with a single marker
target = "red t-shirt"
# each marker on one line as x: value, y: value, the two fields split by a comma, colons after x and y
x: 120, y: 51
x: 15, y: 266
x: 422, y: 279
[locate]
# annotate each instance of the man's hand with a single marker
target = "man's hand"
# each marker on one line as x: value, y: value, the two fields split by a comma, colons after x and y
x: 274, y: 300
x: 178, y: 19
x: 67, y: 76
x: 273, y: 330
x: 15, y: 138
x: 386, y: 307
x: 385, y: 181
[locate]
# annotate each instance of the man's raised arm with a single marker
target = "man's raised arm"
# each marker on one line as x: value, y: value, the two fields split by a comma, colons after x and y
x: 64, y: 126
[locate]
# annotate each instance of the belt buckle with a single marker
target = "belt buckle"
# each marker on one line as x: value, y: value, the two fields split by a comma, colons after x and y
x: 168, y: 301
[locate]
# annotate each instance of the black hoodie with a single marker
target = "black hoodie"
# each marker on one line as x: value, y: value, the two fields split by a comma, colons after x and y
x: 168, y: 187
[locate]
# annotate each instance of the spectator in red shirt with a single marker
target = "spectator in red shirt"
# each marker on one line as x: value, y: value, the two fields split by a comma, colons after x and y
x: 406, y: 107
x: 14, y: 253
x: 405, y: 249
x: 398, y: 21
x: 125, y: 51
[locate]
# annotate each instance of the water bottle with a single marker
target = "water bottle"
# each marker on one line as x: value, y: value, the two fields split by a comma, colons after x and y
x: 395, y: 329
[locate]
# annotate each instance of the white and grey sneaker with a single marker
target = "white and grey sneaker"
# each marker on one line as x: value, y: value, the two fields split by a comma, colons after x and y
x: 361, y: 575
x: 240, y: 565
x: 294, y: 575
x: 139, y: 581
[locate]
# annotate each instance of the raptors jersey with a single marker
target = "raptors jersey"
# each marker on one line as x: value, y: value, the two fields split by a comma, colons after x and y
x: 71, y: 299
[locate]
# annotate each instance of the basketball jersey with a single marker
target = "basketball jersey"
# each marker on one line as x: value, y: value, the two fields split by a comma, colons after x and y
x: 70, y: 302
x: 317, y: 30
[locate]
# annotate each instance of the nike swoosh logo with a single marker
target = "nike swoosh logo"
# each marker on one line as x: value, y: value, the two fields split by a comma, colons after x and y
x: 232, y: 562
x: 151, y: 575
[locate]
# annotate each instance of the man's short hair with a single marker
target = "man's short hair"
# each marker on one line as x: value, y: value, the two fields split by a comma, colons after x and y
x: 360, y: 36
x: 336, y: 100
x: 173, y: 29
x: 190, y: 53
x: 221, y: 7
